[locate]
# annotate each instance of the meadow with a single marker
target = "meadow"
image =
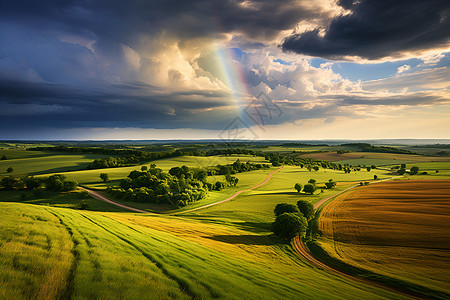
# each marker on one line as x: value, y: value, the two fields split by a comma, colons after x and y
x: 397, y: 229
x: 48, y: 252
x: 50, y: 248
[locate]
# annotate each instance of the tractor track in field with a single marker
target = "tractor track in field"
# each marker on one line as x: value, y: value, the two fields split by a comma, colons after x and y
x: 301, y: 249
x: 98, y: 196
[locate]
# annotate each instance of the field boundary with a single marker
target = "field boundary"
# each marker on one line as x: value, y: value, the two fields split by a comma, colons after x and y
x: 346, y: 270
x: 98, y: 196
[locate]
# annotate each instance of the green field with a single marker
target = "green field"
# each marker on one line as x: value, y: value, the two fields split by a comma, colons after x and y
x: 101, y: 257
x: 49, y: 248
x: 47, y: 163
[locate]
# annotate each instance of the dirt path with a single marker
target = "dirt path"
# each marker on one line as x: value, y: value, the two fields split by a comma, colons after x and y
x: 234, y: 195
x: 96, y: 195
x: 102, y: 198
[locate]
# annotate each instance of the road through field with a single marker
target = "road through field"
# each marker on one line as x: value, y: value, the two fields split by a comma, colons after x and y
x: 97, y: 196
x: 103, y: 198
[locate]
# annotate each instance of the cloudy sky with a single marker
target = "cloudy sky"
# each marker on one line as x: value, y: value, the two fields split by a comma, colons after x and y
x: 166, y: 69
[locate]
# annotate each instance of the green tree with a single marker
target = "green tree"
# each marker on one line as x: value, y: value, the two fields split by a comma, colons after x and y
x: 9, y: 182
x: 69, y: 185
x: 298, y: 187
x: 309, y: 188
x: 104, y: 177
x: 10, y: 170
x: 306, y: 208
x: 32, y: 183
x: 312, y: 181
x: 144, y: 168
x: 316, y: 168
x: 3, y: 157
x: 375, y: 177
x: 282, y: 208
x: 368, y: 169
x: 289, y: 225
x: 414, y: 170
x: 330, y: 184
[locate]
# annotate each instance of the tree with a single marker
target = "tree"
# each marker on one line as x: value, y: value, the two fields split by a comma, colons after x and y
x: 144, y: 168
x: 316, y: 168
x: 9, y: 182
x: 9, y: 170
x: 282, y: 208
x: 3, y: 157
x: 69, y: 185
x: 403, y: 166
x: 368, y: 169
x: 312, y: 181
x: 298, y: 187
x: 373, y: 166
x: 104, y: 177
x: 375, y: 177
x: 330, y: 184
x: 289, y: 225
x: 309, y: 188
x: 219, y: 185
x: 306, y: 208
x: 414, y: 170
x: 55, y: 182
x: 32, y: 183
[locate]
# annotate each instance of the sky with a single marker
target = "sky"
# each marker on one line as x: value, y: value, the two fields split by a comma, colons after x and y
x: 224, y: 69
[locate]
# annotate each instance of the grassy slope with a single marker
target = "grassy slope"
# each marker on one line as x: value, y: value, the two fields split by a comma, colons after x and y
x: 398, y: 229
x: 91, y: 179
x: 99, y: 256
x: 47, y: 164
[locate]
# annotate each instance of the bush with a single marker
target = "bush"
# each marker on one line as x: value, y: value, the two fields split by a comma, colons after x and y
x: 104, y: 177
x: 309, y: 188
x: 32, y: 183
x: 306, y: 208
x: 83, y: 205
x: 9, y: 182
x: 9, y: 170
x: 285, y: 208
x: 289, y: 225
x: 330, y: 184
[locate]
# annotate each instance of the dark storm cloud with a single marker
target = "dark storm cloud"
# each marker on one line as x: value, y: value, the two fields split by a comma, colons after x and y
x: 115, y: 20
x: 378, y: 28
x: 62, y: 58
x: 133, y: 104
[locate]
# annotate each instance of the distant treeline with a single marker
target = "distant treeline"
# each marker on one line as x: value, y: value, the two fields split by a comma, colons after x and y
x: 364, y: 147
x: 131, y: 157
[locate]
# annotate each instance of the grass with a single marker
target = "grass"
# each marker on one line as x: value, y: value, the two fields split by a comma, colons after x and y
x: 63, y: 253
x: 373, y: 158
x: 67, y: 200
x: 91, y: 178
x: 397, y: 229
x: 47, y: 164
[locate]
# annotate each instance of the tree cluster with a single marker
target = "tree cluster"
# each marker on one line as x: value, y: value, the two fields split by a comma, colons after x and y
x: 56, y: 183
x: 292, y: 220
x: 180, y: 186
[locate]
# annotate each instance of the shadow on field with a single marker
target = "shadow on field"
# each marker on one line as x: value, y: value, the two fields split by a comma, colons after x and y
x: 246, y: 239
x: 256, y: 227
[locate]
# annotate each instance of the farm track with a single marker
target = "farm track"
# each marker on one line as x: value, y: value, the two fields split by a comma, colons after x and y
x: 98, y: 196
x: 300, y: 248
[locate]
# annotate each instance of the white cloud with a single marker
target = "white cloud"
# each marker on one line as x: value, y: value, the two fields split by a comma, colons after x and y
x: 403, y: 68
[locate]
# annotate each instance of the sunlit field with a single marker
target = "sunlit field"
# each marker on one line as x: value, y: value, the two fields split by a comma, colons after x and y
x: 397, y: 229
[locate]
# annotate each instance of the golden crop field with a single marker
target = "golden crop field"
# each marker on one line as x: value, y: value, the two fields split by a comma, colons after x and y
x: 398, y: 229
